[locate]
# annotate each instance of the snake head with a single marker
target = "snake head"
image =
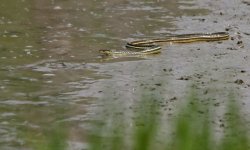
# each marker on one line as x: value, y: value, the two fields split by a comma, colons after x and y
x: 105, y: 51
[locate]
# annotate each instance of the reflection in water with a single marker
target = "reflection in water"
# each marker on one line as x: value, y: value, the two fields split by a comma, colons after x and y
x: 50, y: 69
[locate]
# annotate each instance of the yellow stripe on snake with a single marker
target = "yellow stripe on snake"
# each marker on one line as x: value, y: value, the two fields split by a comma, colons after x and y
x: 146, y: 47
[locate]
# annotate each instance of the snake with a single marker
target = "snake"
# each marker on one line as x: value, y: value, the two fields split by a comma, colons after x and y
x: 151, y: 46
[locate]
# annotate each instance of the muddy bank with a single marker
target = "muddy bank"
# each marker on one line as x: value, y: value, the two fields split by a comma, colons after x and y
x: 214, y: 69
x: 51, y: 70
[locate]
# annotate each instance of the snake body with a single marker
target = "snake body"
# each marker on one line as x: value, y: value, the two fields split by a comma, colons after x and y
x: 146, y: 47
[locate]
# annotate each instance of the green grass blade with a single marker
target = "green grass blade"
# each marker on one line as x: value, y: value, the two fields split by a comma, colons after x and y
x: 236, y: 134
x: 192, y: 128
x: 147, y: 120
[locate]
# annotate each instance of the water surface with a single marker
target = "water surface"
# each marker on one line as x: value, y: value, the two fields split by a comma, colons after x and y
x: 51, y: 70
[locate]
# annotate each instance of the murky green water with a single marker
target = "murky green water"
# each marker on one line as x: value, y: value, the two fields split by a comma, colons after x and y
x: 50, y: 69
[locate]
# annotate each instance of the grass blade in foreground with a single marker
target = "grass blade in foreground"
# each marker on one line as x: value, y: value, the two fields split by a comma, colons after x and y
x: 146, y: 123
x: 236, y: 133
x: 192, y: 128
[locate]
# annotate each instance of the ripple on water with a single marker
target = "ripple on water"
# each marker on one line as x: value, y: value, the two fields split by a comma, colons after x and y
x: 23, y: 102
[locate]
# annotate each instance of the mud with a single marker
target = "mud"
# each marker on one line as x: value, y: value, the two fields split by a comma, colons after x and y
x: 51, y: 70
